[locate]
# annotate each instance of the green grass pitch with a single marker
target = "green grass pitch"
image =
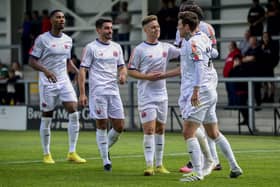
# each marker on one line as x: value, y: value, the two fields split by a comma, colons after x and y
x: 21, y: 155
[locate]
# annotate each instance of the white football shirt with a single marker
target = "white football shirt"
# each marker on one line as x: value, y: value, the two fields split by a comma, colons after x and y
x: 52, y: 52
x: 197, y: 50
x: 103, y: 60
x: 147, y: 58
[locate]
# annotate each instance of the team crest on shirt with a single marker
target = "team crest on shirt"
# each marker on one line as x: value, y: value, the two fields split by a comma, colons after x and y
x: 44, y: 105
x: 53, y: 45
x: 143, y: 114
x: 164, y: 54
x: 115, y: 54
x: 98, y: 111
x: 150, y: 56
x: 100, y: 54
x: 66, y: 46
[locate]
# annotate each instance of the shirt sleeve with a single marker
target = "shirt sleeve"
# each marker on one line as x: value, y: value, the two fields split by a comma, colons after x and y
x: 212, y: 35
x: 69, y: 54
x: 134, y: 60
x: 198, y: 73
x: 173, y: 52
x: 214, y: 53
x: 121, y: 59
x: 87, y: 57
x: 38, y: 48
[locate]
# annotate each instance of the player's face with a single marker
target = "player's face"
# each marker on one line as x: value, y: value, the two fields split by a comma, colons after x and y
x: 106, y: 31
x: 58, y: 21
x: 152, y: 29
x: 183, y: 29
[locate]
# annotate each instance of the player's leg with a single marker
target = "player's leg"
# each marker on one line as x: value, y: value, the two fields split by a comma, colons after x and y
x: 213, y: 150
x: 116, y: 114
x: 193, y: 147
x: 73, y: 132
x: 207, y: 161
x: 69, y: 100
x: 222, y: 142
x: 102, y: 142
x: 162, y: 111
x: 45, y: 134
x: 47, y: 104
x: 148, y: 120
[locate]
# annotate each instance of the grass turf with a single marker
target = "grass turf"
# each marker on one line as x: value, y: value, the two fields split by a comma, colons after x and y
x: 21, y: 165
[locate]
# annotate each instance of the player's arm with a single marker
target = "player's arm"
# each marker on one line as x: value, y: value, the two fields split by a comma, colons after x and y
x: 197, y: 83
x: 172, y: 73
x: 151, y: 76
x: 33, y: 62
x: 81, y: 83
x: 122, y: 74
x: 133, y: 71
x: 71, y: 67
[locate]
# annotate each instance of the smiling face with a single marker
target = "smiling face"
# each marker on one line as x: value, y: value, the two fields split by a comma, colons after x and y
x: 58, y: 21
x: 106, y: 31
x: 152, y: 30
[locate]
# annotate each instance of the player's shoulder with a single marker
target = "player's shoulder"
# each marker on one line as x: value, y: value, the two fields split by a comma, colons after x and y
x: 66, y: 37
x: 43, y: 36
x: 115, y: 44
x: 200, y: 39
x: 140, y: 47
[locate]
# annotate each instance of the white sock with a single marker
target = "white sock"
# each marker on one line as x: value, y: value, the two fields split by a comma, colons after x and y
x: 149, y: 149
x: 159, y: 148
x: 45, y: 134
x: 201, y: 137
x: 227, y: 151
x: 195, y: 154
x: 113, y: 137
x: 73, y: 131
x: 102, y: 142
x: 213, y: 150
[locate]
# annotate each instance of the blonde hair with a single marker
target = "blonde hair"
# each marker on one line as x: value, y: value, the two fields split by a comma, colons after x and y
x: 148, y: 19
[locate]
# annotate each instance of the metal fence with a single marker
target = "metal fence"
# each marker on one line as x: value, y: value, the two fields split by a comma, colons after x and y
x: 129, y: 96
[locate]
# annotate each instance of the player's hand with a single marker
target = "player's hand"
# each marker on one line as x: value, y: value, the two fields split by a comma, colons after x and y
x: 154, y: 76
x: 195, y: 98
x: 122, y: 78
x: 83, y: 100
x: 51, y: 77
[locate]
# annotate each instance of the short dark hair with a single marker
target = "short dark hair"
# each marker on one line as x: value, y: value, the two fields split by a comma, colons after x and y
x: 148, y: 19
x: 189, y: 18
x: 193, y: 8
x: 54, y: 12
x: 99, y: 22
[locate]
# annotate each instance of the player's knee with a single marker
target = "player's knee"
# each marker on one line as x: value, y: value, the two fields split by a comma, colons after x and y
x: 213, y: 134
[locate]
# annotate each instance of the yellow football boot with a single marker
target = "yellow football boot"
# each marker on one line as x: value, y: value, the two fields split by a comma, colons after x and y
x: 48, y: 159
x: 74, y: 157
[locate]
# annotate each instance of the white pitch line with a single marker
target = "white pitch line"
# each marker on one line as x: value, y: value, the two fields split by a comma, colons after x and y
x: 135, y: 156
